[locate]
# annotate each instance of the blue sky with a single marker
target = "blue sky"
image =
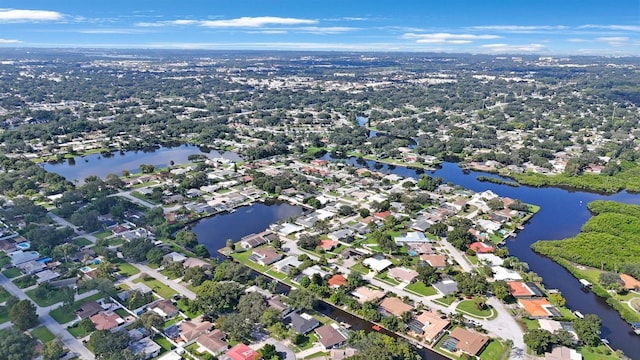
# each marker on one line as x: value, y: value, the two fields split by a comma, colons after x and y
x: 553, y: 27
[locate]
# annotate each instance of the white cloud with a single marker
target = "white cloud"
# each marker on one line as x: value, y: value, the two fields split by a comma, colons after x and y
x: 258, y: 21
x: 611, y: 27
x: 7, y: 15
x: 111, y: 31
x: 269, y: 32
x: 578, y: 40
x: 447, y: 38
x: 9, y: 41
x: 520, y: 28
x: 325, y: 29
x: 614, y: 40
x: 508, y: 48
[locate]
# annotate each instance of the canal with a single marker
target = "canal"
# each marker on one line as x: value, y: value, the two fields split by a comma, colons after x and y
x: 562, y: 214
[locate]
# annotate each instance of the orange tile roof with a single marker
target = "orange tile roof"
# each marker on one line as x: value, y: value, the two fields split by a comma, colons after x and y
x: 327, y: 244
x: 337, y: 280
x: 518, y: 289
x: 535, y: 307
x: 629, y: 282
x: 433, y: 324
x: 436, y: 261
x: 395, y: 306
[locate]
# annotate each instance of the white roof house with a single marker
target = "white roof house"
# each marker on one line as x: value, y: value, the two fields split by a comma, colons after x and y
x: 377, y: 265
x: 501, y: 273
x: 411, y: 237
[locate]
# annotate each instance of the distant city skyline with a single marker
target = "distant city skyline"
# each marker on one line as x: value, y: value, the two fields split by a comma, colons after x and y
x: 545, y: 27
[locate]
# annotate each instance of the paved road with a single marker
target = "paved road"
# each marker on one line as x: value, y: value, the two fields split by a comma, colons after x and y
x: 181, y: 289
x: 127, y: 195
x: 80, y: 233
x: 43, y: 312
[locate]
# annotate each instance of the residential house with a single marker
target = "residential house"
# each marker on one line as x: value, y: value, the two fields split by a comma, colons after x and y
x: 173, y: 257
x: 344, y: 235
x: 19, y: 257
x: 328, y: 245
x: 88, y: 309
x: 300, y: 323
x: 436, y: 261
x: 410, y: 238
x: 195, y: 262
x: 364, y: 294
x: 377, y: 264
x: 402, y: 274
x: 481, y: 248
x: 284, y: 265
x: 265, y: 256
x: 552, y: 326
x: 538, y: 308
x: 106, y: 320
x: 213, y: 342
x: 337, y: 281
x: 241, y: 352
x: 145, y: 348
x: 350, y: 253
x: 420, y: 225
x: 429, y: 326
x: 502, y: 273
x: 562, y: 353
x: 490, y: 259
x: 165, y: 308
x: 191, y: 330
x: 629, y: 282
x: 340, y: 354
x: 31, y: 267
x: 46, y: 276
x: 277, y: 304
x: 393, y: 306
x: 446, y: 287
x: 469, y: 342
x: 332, y: 336
x: 381, y: 215
x: 522, y: 290
x: 421, y: 248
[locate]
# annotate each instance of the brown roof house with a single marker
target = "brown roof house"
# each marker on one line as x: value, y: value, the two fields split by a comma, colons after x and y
x: 191, y: 330
x: 265, y: 256
x: 213, y: 342
x: 393, y: 306
x: 403, y: 275
x: 468, y: 342
x: 364, y: 294
x: 89, y: 309
x: 165, y: 308
x: 332, y: 336
x: 429, y: 326
x: 106, y: 320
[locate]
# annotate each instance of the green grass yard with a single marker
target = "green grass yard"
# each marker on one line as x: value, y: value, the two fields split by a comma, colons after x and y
x: 12, y: 272
x: 43, y: 334
x: 160, y: 288
x: 469, y: 308
x: 495, y: 351
x: 82, y: 242
x: 421, y: 289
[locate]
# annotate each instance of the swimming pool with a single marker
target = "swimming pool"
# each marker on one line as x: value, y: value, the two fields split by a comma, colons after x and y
x: 85, y: 269
x: 44, y: 260
x: 23, y: 245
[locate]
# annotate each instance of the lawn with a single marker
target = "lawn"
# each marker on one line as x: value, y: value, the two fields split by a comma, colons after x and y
x: 4, y: 295
x: 62, y: 315
x: 318, y: 355
x: 445, y: 300
x: 495, y: 351
x: 12, y: 272
x: 420, y: 288
x: 469, y: 308
x: 122, y: 312
x: 243, y: 258
x: 597, y: 353
x: 52, y: 297
x: 82, y: 242
x: 164, y: 343
x: 360, y: 268
x: 117, y: 241
x: 103, y: 234
x: 77, y: 331
x: 4, y: 314
x: 25, y: 281
x: 125, y: 269
x: 531, y: 324
x: 308, y: 342
x: 185, y: 310
x: 160, y: 288
x: 43, y: 334
x: 383, y: 277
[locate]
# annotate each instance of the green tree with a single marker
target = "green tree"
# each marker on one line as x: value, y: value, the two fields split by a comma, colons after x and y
x: 154, y: 256
x: 15, y: 345
x: 23, y: 315
x: 237, y: 326
x: 187, y: 238
x: 106, y: 344
x: 427, y: 274
x: 52, y: 350
x: 501, y: 290
x: 201, y: 251
x: 251, y: 306
x: 195, y: 274
x: 588, y: 329
x: 216, y: 297
x: 301, y: 299
x: 538, y: 340
x: 150, y: 320
x: 269, y: 352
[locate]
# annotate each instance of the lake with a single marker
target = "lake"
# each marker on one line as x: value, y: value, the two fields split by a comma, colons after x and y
x: 101, y: 166
x: 562, y: 214
x: 214, y: 231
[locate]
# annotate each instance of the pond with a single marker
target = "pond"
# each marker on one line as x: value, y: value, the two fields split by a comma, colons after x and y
x: 97, y: 164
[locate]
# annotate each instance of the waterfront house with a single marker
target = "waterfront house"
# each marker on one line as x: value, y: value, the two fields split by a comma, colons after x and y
x: 332, y: 336
x: 467, y: 341
x: 265, y: 256
x: 393, y: 306
x: 502, y: 273
x: 524, y: 290
x: 429, y: 326
x: 336, y: 281
x: 481, y: 248
x: 629, y: 282
x: 364, y: 294
x: 173, y: 257
x: 286, y: 264
x: 195, y: 262
x: 300, y: 323
x: 562, y: 353
x: 538, y: 308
